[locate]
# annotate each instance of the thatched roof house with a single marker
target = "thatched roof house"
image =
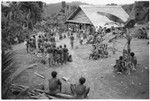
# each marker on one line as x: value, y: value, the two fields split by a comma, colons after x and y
x: 88, y: 14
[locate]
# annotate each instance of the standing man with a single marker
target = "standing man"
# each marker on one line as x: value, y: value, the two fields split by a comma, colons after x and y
x: 50, y: 56
x: 72, y: 40
x: 65, y: 54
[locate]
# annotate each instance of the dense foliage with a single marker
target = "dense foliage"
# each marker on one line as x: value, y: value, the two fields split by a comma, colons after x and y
x: 16, y: 18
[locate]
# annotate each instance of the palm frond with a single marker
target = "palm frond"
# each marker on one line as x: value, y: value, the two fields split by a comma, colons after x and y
x: 8, y: 62
x: 8, y: 65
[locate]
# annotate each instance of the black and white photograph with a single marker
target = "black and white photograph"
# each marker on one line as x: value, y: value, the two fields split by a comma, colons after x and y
x: 75, y: 49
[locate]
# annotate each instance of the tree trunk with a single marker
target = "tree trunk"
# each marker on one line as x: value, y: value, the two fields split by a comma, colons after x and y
x: 129, y: 46
x: 128, y: 40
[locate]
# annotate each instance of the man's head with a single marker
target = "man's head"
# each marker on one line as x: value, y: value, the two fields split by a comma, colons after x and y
x: 54, y: 46
x: 46, y: 40
x: 54, y: 74
x: 33, y: 36
x: 132, y: 54
x: 65, y: 46
x: 82, y: 80
x: 60, y: 46
x: 120, y: 58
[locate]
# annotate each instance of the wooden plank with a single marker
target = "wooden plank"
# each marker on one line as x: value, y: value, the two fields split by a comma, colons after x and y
x: 39, y: 75
x: 65, y: 96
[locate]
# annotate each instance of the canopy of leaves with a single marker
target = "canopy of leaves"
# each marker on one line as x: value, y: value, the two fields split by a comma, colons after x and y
x: 17, y: 17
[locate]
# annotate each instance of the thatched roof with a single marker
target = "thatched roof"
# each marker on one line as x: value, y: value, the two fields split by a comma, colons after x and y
x: 87, y: 14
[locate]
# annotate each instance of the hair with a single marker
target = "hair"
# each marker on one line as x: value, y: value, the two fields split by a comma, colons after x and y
x: 82, y: 80
x: 132, y: 54
x: 120, y: 58
x: 54, y: 46
x: 65, y: 46
x: 54, y: 74
x: 60, y: 46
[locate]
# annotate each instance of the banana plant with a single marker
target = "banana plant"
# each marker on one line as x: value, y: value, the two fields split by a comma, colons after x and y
x: 127, y: 26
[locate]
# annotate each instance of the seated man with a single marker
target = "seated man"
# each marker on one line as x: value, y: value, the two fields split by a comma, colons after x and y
x: 54, y: 84
x: 80, y: 91
x: 121, y: 65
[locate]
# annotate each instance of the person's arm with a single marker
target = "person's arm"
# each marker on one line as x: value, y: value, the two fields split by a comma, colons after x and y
x: 87, y: 89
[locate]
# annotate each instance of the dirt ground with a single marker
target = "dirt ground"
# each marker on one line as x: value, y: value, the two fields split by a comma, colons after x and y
x: 103, y: 83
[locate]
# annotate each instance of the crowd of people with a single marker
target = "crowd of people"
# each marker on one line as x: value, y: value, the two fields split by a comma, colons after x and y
x: 126, y: 63
x: 99, y: 51
x: 96, y: 37
x: 46, y: 44
x: 58, y: 55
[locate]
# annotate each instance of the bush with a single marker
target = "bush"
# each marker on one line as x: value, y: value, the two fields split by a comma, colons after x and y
x: 141, y: 33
